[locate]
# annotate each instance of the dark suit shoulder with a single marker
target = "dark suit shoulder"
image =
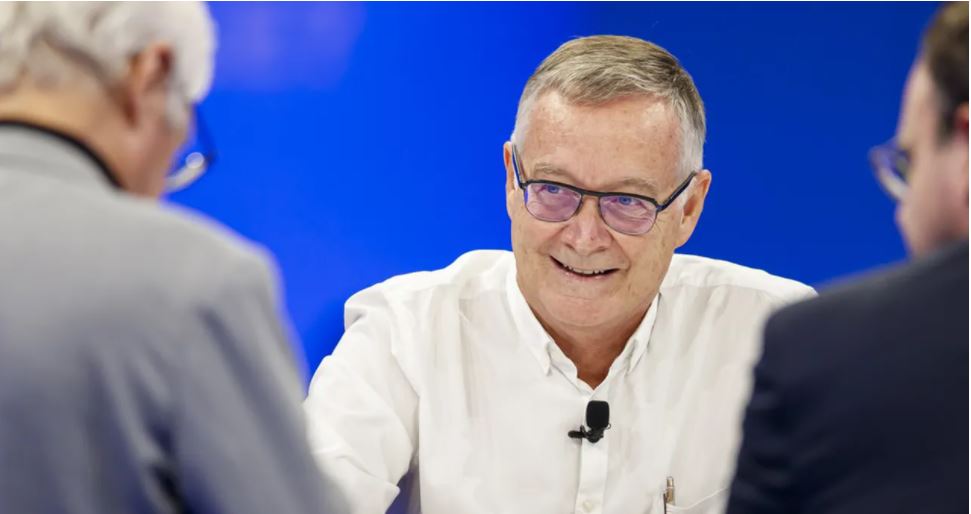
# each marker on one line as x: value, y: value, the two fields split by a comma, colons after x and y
x: 866, y: 385
x: 926, y: 299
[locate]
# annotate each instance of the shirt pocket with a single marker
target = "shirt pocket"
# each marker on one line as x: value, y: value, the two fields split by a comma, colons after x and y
x: 714, y: 503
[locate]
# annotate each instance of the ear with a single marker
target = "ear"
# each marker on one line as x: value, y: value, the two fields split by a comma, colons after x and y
x: 145, y: 86
x: 510, y: 177
x: 693, y: 205
x: 960, y: 121
x: 960, y: 133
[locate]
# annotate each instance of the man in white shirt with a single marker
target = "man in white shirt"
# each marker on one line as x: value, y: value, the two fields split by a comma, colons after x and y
x: 466, y: 381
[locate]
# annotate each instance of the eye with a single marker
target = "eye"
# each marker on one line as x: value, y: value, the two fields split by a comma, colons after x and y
x: 627, y: 205
x: 550, y: 188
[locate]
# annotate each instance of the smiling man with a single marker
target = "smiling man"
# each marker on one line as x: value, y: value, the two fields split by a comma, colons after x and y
x: 468, y: 387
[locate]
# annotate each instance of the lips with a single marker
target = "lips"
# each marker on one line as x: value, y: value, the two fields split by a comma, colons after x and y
x: 584, y: 272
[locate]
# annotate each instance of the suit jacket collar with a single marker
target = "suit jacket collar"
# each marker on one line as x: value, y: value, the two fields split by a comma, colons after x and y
x: 953, y: 254
x: 45, y: 151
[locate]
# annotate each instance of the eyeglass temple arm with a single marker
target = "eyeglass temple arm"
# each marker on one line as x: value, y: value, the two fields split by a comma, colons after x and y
x: 677, y: 192
x: 515, y: 166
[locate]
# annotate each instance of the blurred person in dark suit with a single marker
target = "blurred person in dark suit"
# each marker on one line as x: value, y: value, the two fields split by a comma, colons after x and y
x: 860, y: 400
x: 143, y: 364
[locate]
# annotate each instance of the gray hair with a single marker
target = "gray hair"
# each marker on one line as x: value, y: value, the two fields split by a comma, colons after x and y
x: 43, y: 39
x: 597, y: 69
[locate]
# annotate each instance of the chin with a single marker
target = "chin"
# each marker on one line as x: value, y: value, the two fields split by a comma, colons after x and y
x: 579, y: 312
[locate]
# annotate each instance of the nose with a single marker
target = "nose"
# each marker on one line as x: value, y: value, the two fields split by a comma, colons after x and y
x: 586, y: 233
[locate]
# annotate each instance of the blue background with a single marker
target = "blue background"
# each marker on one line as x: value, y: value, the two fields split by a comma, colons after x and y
x: 342, y: 126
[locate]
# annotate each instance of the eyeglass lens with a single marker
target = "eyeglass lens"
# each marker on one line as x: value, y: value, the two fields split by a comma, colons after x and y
x: 625, y: 214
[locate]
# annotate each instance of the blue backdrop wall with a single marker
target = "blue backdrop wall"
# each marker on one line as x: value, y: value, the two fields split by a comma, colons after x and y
x: 339, y: 125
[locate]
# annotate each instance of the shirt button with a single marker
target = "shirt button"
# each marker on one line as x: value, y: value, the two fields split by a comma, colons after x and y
x: 588, y: 506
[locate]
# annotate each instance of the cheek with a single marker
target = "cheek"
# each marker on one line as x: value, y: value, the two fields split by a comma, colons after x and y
x: 528, y: 240
x: 919, y: 214
x: 662, y: 239
x: 530, y: 234
x: 643, y: 258
x: 910, y: 225
x: 924, y: 193
x: 649, y: 259
x: 512, y: 201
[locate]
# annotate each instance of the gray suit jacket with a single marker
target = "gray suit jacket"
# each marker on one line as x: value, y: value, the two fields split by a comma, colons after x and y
x: 143, y: 366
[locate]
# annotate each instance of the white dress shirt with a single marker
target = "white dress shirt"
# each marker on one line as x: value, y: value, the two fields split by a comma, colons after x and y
x: 447, y: 380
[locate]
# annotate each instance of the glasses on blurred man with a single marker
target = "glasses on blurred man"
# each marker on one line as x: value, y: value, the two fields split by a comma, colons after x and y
x: 891, y: 164
x: 194, y: 158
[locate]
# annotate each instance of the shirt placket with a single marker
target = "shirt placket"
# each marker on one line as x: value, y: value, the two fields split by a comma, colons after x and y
x: 593, y: 464
x: 593, y: 476
x: 593, y: 456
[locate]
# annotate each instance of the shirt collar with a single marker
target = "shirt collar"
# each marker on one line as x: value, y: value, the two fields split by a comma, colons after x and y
x: 531, y: 331
x: 538, y: 341
x: 638, y: 342
x: 50, y: 152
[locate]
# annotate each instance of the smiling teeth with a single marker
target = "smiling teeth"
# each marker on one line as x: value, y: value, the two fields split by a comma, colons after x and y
x: 585, y: 273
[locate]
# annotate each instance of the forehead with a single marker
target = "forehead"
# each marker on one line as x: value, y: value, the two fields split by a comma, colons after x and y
x: 635, y: 137
x: 918, y: 107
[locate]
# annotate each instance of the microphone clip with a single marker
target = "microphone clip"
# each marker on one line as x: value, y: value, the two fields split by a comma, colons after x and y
x: 598, y: 419
x: 593, y: 435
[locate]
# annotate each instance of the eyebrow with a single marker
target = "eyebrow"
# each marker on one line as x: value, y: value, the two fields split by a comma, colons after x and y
x: 644, y: 185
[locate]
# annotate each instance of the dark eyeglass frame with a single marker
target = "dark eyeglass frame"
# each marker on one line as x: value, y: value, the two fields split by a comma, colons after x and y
x: 658, y: 206
x: 891, y: 166
x: 196, y: 163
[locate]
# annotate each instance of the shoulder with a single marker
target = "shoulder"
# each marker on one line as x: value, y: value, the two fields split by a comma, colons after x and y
x: 187, y: 245
x: 705, y: 277
x: 404, y: 321
x: 472, y: 274
x: 144, y: 252
x: 111, y: 277
x: 875, y: 321
x: 883, y: 301
x: 192, y: 238
x: 720, y: 308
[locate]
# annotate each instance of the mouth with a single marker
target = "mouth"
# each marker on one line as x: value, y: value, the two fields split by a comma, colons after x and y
x: 590, y: 274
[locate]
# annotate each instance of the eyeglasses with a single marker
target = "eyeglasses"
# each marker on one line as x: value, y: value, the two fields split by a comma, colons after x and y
x: 197, y: 155
x: 891, y: 165
x: 626, y: 213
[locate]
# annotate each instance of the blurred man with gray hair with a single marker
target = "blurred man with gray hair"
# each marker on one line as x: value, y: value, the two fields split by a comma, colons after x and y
x: 590, y: 369
x: 143, y: 364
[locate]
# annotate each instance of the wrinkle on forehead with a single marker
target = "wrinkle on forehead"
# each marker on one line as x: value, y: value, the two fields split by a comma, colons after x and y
x: 636, y: 183
x: 628, y: 141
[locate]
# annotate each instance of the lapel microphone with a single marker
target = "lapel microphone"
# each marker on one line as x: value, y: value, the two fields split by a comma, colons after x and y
x: 598, y: 419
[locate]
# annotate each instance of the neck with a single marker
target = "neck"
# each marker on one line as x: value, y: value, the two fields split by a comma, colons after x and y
x: 594, y: 349
x: 76, y: 112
